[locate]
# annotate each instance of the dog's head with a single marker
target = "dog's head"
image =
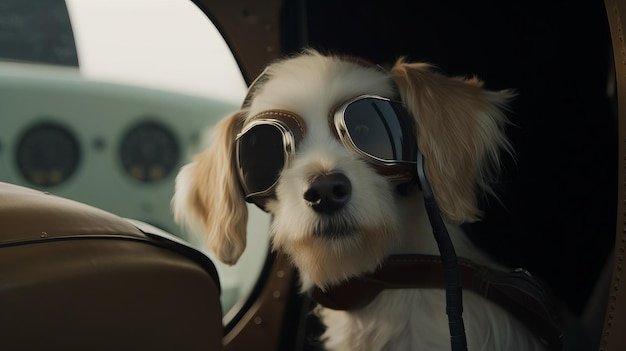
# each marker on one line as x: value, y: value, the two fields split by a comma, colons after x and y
x: 327, y: 144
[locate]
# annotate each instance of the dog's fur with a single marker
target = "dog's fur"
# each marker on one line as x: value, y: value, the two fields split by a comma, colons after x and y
x: 459, y: 128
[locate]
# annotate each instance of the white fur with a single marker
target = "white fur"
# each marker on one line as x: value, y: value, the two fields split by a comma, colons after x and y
x: 377, y: 221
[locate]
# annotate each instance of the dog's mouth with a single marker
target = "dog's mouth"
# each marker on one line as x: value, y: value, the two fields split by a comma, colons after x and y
x: 335, y: 227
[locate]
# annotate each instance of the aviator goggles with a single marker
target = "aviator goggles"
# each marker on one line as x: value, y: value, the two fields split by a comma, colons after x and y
x: 373, y: 127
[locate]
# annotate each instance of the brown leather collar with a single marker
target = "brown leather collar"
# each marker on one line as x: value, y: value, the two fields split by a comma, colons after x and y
x: 518, y: 292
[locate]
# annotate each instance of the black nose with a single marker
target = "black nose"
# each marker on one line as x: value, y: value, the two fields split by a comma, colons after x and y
x: 328, y: 192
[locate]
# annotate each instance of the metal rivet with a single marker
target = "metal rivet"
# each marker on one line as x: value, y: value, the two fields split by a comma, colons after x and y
x: 280, y: 274
x: 258, y: 320
x: 43, y: 235
x: 276, y: 294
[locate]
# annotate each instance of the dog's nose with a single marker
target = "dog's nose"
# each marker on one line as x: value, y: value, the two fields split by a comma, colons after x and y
x: 328, y: 192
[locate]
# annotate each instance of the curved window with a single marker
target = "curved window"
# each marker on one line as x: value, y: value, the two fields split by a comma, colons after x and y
x: 168, y: 44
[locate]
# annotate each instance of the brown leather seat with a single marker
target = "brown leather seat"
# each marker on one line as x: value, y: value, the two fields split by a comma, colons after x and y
x: 73, y: 277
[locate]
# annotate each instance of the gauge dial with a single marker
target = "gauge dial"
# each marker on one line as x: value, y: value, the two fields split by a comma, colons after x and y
x: 149, y: 151
x: 47, y: 154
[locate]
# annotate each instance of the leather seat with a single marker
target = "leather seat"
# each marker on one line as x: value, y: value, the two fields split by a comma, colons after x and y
x: 73, y: 277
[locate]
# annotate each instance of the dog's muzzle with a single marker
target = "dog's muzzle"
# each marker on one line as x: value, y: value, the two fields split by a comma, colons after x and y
x: 376, y: 128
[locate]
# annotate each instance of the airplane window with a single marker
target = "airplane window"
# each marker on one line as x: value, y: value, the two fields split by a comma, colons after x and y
x: 167, y: 44
x: 105, y: 100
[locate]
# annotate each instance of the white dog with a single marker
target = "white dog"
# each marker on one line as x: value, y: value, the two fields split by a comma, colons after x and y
x: 323, y: 144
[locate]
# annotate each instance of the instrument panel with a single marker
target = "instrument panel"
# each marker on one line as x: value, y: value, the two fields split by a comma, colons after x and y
x: 113, y: 146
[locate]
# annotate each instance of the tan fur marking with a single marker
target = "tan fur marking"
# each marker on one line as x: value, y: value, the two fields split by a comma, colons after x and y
x: 217, y: 198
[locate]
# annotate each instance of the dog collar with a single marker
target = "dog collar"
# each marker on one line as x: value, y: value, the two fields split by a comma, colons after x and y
x: 518, y: 291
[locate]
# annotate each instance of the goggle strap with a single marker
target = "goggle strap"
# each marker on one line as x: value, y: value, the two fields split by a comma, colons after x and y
x: 263, y: 76
x: 449, y: 260
x: 421, y: 174
x: 252, y: 88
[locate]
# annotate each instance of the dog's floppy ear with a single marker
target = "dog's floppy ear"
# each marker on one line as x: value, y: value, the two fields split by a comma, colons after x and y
x: 208, y: 196
x: 460, y: 132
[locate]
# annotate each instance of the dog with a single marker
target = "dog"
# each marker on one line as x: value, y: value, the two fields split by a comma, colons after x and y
x: 311, y: 146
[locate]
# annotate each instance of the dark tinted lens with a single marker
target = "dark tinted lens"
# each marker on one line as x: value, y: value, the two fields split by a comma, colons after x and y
x: 261, y: 157
x: 381, y: 129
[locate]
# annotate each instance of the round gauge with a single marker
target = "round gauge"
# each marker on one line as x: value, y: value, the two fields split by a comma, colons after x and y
x: 149, y: 151
x: 47, y: 154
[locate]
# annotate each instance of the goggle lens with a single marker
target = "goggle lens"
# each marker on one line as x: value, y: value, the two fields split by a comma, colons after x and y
x: 375, y: 127
x: 379, y: 128
x: 261, y: 157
